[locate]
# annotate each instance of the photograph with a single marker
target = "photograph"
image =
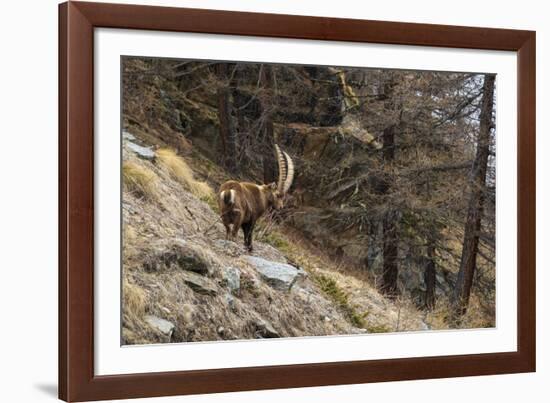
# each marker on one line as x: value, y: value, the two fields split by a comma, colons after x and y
x: 274, y: 200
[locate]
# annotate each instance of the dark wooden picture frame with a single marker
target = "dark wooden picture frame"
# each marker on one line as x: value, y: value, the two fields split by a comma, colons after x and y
x: 77, y: 381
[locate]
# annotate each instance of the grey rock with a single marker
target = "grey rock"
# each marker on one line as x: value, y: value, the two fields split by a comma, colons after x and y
x: 232, y: 277
x: 358, y: 330
x: 143, y: 152
x: 264, y: 330
x: 199, y: 284
x: 268, y: 252
x: 163, y: 326
x: 128, y: 136
x: 280, y: 276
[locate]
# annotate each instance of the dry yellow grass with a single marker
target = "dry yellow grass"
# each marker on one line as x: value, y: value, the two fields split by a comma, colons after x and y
x: 139, y: 179
x: 201, y: 189
x: 134, y: 297
x: 181, y: 172
x: 175, y: 165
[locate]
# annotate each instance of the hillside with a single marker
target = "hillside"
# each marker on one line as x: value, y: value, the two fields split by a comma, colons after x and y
x: 182, y: 281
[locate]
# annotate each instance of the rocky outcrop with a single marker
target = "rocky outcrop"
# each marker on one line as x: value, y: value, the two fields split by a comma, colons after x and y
x: 264, y: 330
x: 145, y: 153
x: 199, y: 284
x: 280, y: 276
x: 128, y: 136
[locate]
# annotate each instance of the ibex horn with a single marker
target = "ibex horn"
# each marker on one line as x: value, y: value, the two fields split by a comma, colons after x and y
x: 282, y: 164
x: 289, y: 174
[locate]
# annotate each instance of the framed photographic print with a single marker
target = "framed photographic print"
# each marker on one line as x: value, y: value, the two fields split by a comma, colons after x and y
x: 257, y: 201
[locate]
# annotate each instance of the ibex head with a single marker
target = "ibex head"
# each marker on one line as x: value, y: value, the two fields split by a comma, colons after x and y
x: 286, y: 176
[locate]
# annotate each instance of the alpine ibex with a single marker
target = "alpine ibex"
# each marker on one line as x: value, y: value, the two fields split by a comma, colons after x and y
x: 243, y: 203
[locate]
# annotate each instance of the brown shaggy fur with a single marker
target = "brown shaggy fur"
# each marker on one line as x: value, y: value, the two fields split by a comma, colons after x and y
x: 250, y: 202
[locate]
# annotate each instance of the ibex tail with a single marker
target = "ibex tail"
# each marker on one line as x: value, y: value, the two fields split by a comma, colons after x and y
x: 228, y: 197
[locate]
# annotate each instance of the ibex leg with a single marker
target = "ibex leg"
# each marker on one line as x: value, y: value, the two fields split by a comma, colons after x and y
x: 248, y: 228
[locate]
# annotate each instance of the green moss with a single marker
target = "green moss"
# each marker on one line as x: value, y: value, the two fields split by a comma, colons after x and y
x: 377, y: 329
x: 357, y: 319
x: 276, y: 240
x: 330, y: 287
x: 341, y: 298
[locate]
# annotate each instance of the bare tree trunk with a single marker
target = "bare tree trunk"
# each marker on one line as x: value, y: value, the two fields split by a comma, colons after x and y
x: 390, y: 268
x: 429, y: 276
x: 430, y: 267
x: 227, y: 130
x: 475, y: 205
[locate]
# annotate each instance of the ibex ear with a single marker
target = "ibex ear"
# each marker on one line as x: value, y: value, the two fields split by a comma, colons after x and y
x: 273, y: 186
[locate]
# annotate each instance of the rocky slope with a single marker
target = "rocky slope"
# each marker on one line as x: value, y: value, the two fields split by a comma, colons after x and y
x: 182, y: 281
